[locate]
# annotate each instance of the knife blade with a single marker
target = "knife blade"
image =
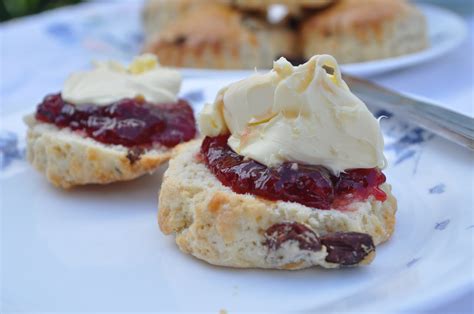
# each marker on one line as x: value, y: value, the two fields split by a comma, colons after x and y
x: 446, y: 123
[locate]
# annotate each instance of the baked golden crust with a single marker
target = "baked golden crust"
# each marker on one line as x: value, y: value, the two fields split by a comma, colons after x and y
x: 348, y: 15
x: 68, y: 159
x: 224, y: 228
x: 361, y: 30
x: 218, y: 36
x: 157, y: 14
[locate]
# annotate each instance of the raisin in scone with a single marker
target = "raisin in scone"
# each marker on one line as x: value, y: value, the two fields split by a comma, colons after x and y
x: 289, y: 175
x: 219, y: 36
x: 109, y: 124
x: 362, y: 30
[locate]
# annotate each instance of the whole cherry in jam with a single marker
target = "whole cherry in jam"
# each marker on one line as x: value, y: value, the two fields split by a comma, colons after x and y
x: 128, y: 122
x: 313, y: 186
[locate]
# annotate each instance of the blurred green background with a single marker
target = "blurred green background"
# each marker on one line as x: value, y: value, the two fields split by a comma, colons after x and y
x: 15, y: 8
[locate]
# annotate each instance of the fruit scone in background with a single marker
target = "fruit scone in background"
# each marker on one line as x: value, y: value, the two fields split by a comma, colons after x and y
x: 364, y: 30
x: 110, y: 123
x: 211, y: 34
x: 158, y: 14
x: 233, y: 34
x: 288, y: 176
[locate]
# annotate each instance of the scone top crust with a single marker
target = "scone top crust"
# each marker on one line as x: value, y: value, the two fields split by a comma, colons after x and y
x: 209, y: 24
x: 348, y: 16
x: 168, y: 10
x: 175, y: 6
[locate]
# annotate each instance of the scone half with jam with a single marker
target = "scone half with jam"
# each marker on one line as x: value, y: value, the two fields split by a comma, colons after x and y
x: 109, y: 124
x: 289, y: 175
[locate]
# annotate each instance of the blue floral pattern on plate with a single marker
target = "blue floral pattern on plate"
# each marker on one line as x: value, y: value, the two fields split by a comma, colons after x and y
x: 438, y: 189
x: 9, y: 150
x: 442, y: 225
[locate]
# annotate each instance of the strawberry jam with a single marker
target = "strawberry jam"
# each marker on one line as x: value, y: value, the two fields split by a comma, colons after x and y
x: 128, y: 122
x: 313, y: 186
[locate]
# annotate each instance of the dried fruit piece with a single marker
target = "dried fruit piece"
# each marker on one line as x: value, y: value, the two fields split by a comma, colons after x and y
x: 343, y: 248
x: 347, y: 248
x: 134, y: 154
x: 280, y: 233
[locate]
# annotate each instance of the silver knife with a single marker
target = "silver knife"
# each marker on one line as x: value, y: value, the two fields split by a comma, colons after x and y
x: 451, y: 125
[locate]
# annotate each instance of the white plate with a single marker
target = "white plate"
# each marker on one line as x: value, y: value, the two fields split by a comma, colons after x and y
x: 99, y: 248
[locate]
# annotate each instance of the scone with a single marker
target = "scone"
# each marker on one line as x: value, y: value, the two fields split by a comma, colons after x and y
x: 289, y: 175
x: 157, y: 14
x: 109, y: 124
x: 362, y: 30
x: 218, y: 36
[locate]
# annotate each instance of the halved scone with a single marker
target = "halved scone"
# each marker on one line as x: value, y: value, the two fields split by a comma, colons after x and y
x: 288, y: 176
x: 68, y: 159
x: 109, y: 124
x: 225, y: 228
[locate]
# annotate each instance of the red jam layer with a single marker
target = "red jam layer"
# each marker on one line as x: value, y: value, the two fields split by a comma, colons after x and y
x: 313, y: 186
x: 128, y: 122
